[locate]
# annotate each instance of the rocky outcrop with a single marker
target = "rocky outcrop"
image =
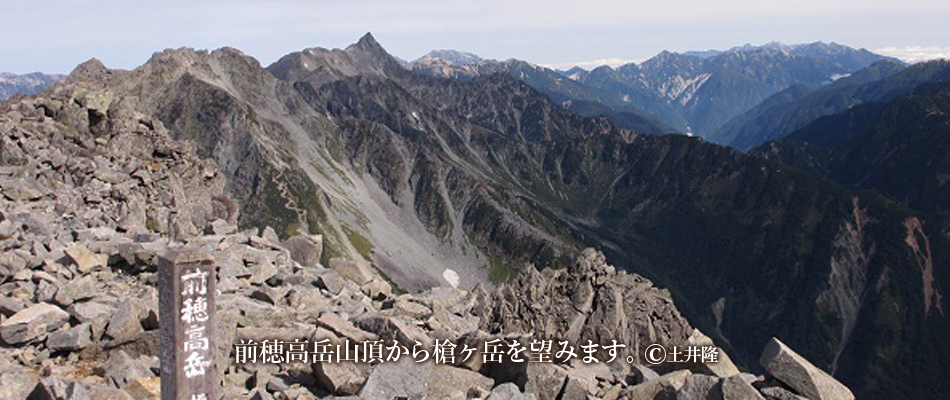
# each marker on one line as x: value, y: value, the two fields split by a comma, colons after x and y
x: 586, y: 301
x: 801, y: 375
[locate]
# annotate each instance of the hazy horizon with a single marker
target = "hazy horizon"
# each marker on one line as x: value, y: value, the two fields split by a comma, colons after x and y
x: 551, y: 33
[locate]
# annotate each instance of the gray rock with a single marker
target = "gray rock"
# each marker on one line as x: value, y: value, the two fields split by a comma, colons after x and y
x: 778, y: 393
x: 641, y: 373
x: 509, y: 391
x: 344, y: 328
x: 736, y: 388
x: 305, y: 250
x: 342, y: 378
x: 86, y: 261
x: 667, y: 383
x: 121, y: 369
x: 260, y: 394
x: 353, y: 270
x: 331, y: 281
x: 722, y: 368
x: 799, y: 374
x: 76, y: 290
x: 32, y: 323
x: 377, y: 289
x: 22, y: 189
x: 111, y: 393
x: 9, y: 306
x: 390, y: 328
x: 700, y: 387
x: 270, y: 295
x: 53, y: 388
x: 574, y: 390
x: 545, y: 380
x: 16, y: 382
x: 126, y: 322
x: 145, y: 388
x: 270, y: 235
x: 401, y: 379
x: 91, y: 310
x: 261, y: 271
x: 411, y: 308
x: 221, y: 227
x: 72, y: 339
x: 276, y: 384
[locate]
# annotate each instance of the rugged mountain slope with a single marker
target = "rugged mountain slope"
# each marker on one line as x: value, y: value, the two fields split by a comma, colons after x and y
x: 645, y: 114
x: 11, y: 84
x: 748, y: 247
x: 882, y: 83
x: 437, y: 180
x: 900, y: 148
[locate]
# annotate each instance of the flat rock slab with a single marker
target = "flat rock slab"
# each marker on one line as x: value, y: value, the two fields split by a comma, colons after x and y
x: 799, y: 374
x: 32, y: 323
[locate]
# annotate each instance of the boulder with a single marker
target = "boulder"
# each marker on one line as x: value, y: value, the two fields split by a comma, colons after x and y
x: 126, y: 322
x: 145, y: 388
x: 404, y: 378
x: 16, y: 382
x: 736, y: 388
x: 546, y: 380
x: 700, y: 387
x: 111, y: 393
x: 353, y: 270
x: 331, y: 281
x: 341, y: 378
x: 76, y: 290
x: 451, y: 383
x: 408, y: 379
x: 722, y: 368
x: 377, y: 289
x: 305, y: 249
x: 91, y: 310
x: 390, y: 328
x: 799, y: 374
x: 343, y: 328
x: 9, y: 306
x: 72, y: 339
x: 509, y: 391
x: 53, y: 388
x: 668, y: 383
x: 122, y: 370
x: 641, y: 373
x: 411, y: 308
x: 32, y: 323
x: 778, y: 393
x: 86, y: 261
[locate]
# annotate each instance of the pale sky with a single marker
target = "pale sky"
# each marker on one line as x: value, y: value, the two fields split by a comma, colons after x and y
x: 56, y: 35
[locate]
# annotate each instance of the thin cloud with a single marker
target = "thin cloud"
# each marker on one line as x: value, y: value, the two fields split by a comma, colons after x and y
x: 914, y: 54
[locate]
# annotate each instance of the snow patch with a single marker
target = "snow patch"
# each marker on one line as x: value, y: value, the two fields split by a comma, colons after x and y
x: 451, y: 277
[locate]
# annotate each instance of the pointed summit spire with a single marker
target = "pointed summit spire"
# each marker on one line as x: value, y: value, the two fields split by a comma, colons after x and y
x: 368, y: 42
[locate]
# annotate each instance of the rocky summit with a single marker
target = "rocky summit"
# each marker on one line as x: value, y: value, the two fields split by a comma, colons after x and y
x: 345, y: 198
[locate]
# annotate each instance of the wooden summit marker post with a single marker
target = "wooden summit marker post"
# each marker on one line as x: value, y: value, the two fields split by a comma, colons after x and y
x: 186, y: 301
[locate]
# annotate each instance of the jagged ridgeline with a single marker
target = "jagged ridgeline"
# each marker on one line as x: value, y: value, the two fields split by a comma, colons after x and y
x: 441, y: 182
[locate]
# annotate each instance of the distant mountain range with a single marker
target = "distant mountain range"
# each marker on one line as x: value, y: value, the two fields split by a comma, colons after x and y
x: 693, y: 92
x: 11, y: 84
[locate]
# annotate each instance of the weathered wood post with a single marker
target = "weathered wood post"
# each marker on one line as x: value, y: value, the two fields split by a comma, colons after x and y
x: 186, y: 300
